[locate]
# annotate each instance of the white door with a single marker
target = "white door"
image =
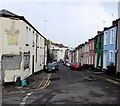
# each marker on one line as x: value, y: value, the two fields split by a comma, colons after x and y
x: 95, y: 60
x: 104, y: 60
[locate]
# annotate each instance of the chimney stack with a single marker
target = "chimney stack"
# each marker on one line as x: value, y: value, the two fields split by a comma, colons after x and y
x: 99, y: 32
x: 114, y: 22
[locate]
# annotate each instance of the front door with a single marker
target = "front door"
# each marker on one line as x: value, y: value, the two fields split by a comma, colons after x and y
x: 95, y: 60
x: 104, y: 60
x: 33, y: 64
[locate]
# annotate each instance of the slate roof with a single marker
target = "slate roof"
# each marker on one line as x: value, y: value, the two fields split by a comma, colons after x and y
x: 6, y: 12
x: 59, y: 45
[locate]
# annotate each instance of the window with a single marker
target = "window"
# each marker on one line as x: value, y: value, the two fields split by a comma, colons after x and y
x: 36, y: 47
x: 27, y: 36
x: 33, y: 41
x: 93, y: 46
x: 26, y: 59
x: 97, y: 43
x: 105, y: 38
x: 112, y: 36
x: 89, y: 59
x: 90, y: 46
x: 36, y: 39
x: 111, y: 56
x: 92, y: 59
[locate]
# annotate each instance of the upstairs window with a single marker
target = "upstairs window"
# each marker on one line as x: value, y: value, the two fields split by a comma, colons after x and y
x: 93, y: 46
x: 33, y: 40
x: 112, y: 36
x: 27, y: 36
x: 105, y: 38
x: 90, y: 46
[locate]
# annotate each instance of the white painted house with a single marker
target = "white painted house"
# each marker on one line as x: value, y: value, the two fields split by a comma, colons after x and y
x: 22, y: 48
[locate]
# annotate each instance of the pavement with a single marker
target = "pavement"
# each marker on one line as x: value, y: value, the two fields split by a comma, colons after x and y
x: 36, y: 81
x: 110, y: 77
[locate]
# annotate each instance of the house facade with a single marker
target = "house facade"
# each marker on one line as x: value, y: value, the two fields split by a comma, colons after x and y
x: 109, y: 47
x: 79, y: 53
x: 86, y: 53
x: 98, y: 61
x: 72, y: 56
x: 83, y: 54
x: 91, y: 51
x: 22, y: 48
x: 76, y: 55
x: 118, y: 48
x: 57, y: 51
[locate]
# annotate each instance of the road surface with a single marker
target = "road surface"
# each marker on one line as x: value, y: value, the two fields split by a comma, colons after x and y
x: 68, y: 86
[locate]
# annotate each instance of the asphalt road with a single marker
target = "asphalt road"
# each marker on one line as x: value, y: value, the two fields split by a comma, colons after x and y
x: 68, y: 86
x: 76, y: 87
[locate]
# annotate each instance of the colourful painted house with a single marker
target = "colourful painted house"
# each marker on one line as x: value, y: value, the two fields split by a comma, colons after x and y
x: 98, y: 60
x: 109, y: 47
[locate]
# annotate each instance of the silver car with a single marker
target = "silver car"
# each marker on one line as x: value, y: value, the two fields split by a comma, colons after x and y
x: 50, y: 67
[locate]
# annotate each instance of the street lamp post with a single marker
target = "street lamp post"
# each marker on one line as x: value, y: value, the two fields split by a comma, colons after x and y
x: 45, y: 26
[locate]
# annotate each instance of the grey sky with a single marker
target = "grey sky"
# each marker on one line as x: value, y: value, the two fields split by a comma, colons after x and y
x: 70, y: 23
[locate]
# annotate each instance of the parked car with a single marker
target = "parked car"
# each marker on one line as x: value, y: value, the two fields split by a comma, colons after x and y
x: 61, y: 61
x: 50, y: 67
x: 76, y: 66
x: 64, y: 63
x: 68, y: 64
x: 56, y: 65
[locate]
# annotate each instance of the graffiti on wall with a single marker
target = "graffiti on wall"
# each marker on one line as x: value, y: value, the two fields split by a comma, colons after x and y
x: 12, y: 37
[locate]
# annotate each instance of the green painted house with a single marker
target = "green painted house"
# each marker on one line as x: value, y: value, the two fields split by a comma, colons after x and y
x: 98, y: 49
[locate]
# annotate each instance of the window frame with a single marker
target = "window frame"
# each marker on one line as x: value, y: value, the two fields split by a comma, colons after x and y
x: 26, y: 66
x: 112, y: 36
x: 27, y: 36
x: 111, y: 56
x: 105, y: 37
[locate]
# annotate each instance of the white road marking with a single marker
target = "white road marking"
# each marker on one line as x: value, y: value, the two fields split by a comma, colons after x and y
x: 47, y: 82
x: 25, y: 98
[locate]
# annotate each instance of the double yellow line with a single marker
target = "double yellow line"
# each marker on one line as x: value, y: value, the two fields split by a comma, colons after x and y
x: 110, y: 80
x: 47, y: 83
x: 44, y: 82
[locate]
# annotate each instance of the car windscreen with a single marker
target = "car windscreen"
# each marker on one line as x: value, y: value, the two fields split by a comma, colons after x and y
x: 76, y: 63
x: 50, y: 64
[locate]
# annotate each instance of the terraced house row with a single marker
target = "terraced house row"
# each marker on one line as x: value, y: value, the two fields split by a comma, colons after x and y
x: 101, y: 51
x: 23, y: 50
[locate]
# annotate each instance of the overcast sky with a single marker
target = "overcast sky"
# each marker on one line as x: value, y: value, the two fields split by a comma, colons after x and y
x: 70, y: 23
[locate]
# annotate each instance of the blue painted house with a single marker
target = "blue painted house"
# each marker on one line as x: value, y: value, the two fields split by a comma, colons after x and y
x: 109, y: 45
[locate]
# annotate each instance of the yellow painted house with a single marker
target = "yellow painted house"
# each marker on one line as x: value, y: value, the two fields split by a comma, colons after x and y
x: 23, y: 50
